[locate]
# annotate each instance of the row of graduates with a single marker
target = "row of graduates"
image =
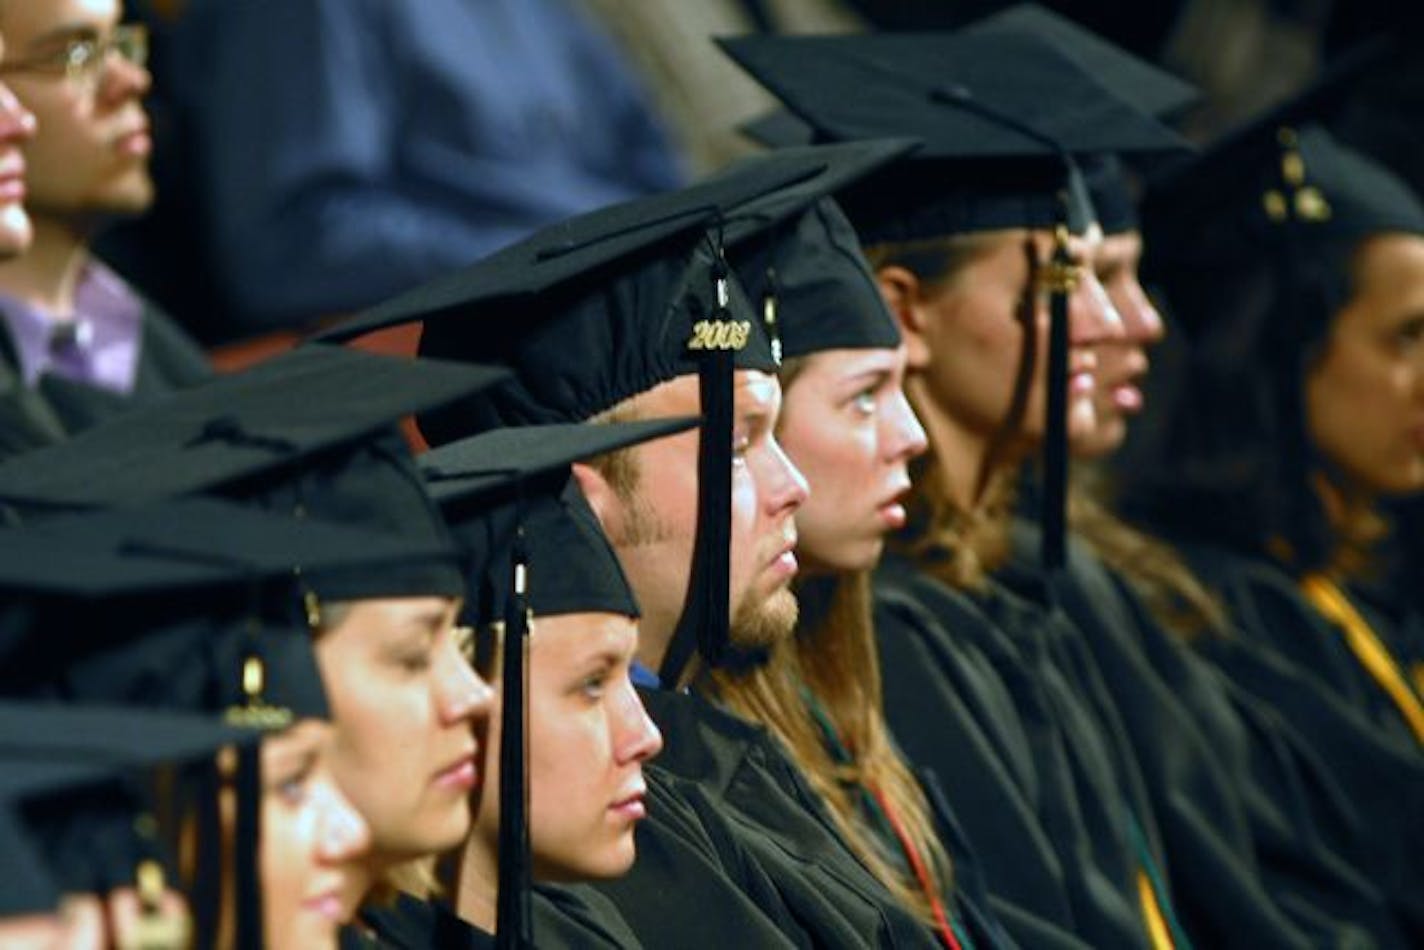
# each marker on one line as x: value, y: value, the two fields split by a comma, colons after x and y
x: 1026, y: 724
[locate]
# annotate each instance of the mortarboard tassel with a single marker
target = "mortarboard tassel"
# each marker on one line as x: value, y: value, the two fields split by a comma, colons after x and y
x: 1061, y: 279
x: 513, y: 924
x: 247, y: 835
x: 705, y: 622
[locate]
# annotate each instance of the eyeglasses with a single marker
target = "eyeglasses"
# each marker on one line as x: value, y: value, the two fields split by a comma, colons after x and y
x: 82, y: 61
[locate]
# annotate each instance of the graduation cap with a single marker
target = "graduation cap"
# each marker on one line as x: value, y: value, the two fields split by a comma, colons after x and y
x: 534, y: 547
x: 1109, y: 190
x: 71, y: 823
x: 998, y: 111
x: 310, y: 433
x: 191, y: 603
x: 1278, y: 190
x: 778, y: 127
x: 1144, y: 85
x: 1104, y: 175
x: 799, y: 258
x: 1003, y: 113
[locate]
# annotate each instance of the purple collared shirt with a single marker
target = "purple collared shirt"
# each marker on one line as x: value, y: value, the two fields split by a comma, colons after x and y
x: 99, y: 346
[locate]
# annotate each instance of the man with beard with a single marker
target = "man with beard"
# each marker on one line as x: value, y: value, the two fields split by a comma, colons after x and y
x: 626, y: 313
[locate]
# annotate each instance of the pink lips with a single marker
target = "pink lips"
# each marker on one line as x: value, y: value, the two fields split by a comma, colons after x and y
x: 326, y: 905
x: 462, y: 775
x: 12, y: 180
x: 630, y: 808
x: 784, y: 563
x: 135, y: 144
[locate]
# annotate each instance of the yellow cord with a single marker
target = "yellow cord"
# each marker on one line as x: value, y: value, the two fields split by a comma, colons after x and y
x: 1373, y: 655
x: 1152, y: 912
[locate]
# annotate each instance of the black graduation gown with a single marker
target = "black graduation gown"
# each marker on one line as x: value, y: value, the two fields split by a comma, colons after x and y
x: 973, y: 693
x: 562, y: 917
x: 736, y: 779
x: 56, y: 408
x: 1195, y: 754
x: 1371, y: 808
x: 967, y: 902
x: 691, y: 866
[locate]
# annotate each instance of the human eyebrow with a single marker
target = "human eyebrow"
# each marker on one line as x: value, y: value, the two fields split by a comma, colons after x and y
x: 286, y: 763
x: 65, y: 34
x: 868, y: 379
x: 430, y: 621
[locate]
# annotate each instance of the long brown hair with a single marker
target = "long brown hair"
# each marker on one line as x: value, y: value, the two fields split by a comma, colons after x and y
x: 959, y: 547
x: 833, y: 658
x: 832, y: 663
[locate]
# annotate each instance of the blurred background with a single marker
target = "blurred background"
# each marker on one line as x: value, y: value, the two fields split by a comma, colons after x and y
x: 315, y: 156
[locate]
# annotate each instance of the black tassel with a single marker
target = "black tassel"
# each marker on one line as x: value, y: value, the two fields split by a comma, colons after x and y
x: 514, y: 926
x: 1053, y: 553
x: 247, y: 836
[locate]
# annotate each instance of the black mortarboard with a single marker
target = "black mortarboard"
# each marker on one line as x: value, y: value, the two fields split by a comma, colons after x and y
x: 311, y: 433
x: 77, y: 825
x: 778, y: 128
x: 1110, y: 192
x: 798, y: 257
x: 997, y: 110
x: 169, y: 604
x: 815, y: 285
x: 1144, y: 85
x: 481, y: 481
x: 534, y: 547
x: 242, y: 427
x: 1278, y: 191
x: 1002, y: 112
x: 593, y: 310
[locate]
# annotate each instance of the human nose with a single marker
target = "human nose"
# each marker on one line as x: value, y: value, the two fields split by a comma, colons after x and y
x: 123, y: 78
x: 905, y: 437
x: 638, y: 738
x: 1092, y: 318
x: 461, y: 693
x: 786, y: 488
x: 344, y: 834
x: 17, y: 124
x: 1140, y: 320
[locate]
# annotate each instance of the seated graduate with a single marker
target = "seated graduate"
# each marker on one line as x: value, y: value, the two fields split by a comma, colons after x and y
x: 580, y: 736
x: 78, y: 780
x: 1303, y: 359
x: 184, y: 606
x: 846, y: 424
x: 27, y: 421
x: 970, y: 251
x: 309, y: 436
x: 629, y: 306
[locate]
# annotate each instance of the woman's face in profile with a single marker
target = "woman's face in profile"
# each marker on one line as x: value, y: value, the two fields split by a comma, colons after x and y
x: 1365, y: 394
x: 311, y: 837
x: 588, y: 737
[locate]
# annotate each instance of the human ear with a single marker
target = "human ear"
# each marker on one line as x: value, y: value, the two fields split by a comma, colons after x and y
x: 600, y: 496
x: 903, y: 292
